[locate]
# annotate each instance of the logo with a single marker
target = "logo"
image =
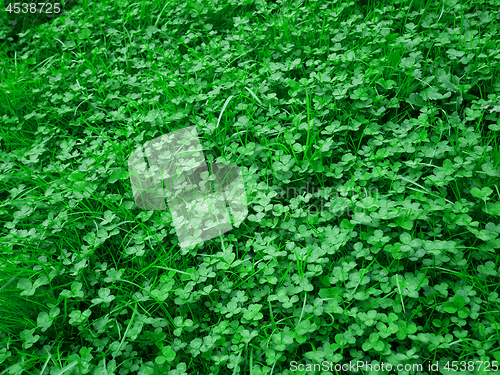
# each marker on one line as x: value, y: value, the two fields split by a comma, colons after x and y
x: 203, y: 205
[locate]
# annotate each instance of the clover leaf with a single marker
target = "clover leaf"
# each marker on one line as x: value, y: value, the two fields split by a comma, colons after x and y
x: 168, y: 355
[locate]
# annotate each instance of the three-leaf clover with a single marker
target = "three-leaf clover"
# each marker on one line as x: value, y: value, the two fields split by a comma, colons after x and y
x: 104, y: 296
x: 253, y: 312
x: 30, y: 288
x: 167, y: 355
x: 44, y: 320
x: 374, y: 342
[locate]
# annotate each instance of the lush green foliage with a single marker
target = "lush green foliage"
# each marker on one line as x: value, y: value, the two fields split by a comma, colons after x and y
x: 369, y: 139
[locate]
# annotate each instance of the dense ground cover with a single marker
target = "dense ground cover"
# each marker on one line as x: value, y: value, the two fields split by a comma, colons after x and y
x: 368, y: 136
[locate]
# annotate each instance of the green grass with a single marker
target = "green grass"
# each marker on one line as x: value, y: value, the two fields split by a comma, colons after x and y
x: 369, y: 141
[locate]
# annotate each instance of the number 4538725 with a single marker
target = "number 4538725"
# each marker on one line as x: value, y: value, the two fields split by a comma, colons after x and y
x: 486, y: 366
x: 33, y: 8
